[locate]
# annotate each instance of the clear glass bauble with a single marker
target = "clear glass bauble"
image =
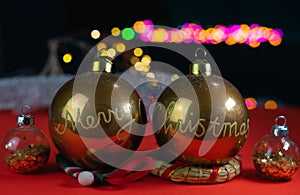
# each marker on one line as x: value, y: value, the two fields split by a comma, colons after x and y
x: 276, y: 156
x: 25, y: 148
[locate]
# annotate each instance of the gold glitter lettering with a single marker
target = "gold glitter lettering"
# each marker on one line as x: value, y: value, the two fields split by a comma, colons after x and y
x: 230, y: 127
x: 217, y: 129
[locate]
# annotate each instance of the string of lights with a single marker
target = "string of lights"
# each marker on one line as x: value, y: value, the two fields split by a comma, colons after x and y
x: 252, y: 35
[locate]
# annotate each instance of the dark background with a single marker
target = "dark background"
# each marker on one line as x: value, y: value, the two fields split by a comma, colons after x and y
x: 266, y: 72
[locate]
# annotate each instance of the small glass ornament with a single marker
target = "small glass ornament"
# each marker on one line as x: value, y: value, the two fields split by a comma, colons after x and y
x: 276, y: 156
x: 25, y: 148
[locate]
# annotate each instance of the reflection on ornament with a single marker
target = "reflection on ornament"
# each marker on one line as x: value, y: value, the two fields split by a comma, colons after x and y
x: 13, y: 143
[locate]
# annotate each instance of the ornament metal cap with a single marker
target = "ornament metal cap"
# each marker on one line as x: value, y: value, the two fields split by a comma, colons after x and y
x: 103, y: 62
x: 280, y: 130
x: 26, y: 119
x: 201, y: 65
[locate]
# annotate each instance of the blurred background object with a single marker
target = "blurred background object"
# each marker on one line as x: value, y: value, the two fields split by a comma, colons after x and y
x: 31, y: 32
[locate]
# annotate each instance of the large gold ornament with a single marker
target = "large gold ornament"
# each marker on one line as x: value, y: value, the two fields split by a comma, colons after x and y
x: 87, y: 120
x: 206, y: 128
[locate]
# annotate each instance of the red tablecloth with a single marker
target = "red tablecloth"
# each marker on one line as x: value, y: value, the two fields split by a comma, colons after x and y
x: 52, y: 180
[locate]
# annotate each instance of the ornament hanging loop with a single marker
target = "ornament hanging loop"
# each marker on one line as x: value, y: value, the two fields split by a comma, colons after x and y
x: 25, y: 117
x: 280, y: 130
x: 277, y: 120
x: 26, y: 110
x: 203, y: 53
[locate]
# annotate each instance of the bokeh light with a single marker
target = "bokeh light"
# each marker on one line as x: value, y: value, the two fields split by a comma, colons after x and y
x: 95, y: 34
x: 128, y: 34
x: 115, y: 31
x: 101, y: 46
x: 138, y: 52
x: 67, y: 58
x: 140, y: 27
x: 111, y: 52
x: 251, y: 103
x: 270, y: 105
x: 138, y: 66
x: 146, y: 59
x: 252, y: 35
x: 134, y: 60
x: 120, y: 47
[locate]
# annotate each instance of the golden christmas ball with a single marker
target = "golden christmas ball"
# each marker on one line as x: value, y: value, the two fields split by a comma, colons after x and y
x: 203, y: 119
x: 94, y: 118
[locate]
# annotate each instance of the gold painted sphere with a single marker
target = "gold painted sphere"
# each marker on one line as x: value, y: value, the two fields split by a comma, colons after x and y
x: 207, y: 125
x: 92, y: 115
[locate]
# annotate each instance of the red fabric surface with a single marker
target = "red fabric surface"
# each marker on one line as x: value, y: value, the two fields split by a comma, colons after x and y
x: 52, y: 180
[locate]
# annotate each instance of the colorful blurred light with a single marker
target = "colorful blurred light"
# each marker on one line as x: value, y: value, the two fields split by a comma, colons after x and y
x: 270, y: 105
x: 67, y: 58
x: 111, y: 52
x: 251, y: 103
x: 138, y: 52
x: 115, y: 31
x: 120, y: 47
x: 252, y: 35
x: 146, y: 59
x: 134, y: 60
x: 101, y: 46
x: 128, y: 34
x: 95, y: 34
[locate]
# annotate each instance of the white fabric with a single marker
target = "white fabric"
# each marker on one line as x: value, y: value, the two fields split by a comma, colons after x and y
x: 35, y: 91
